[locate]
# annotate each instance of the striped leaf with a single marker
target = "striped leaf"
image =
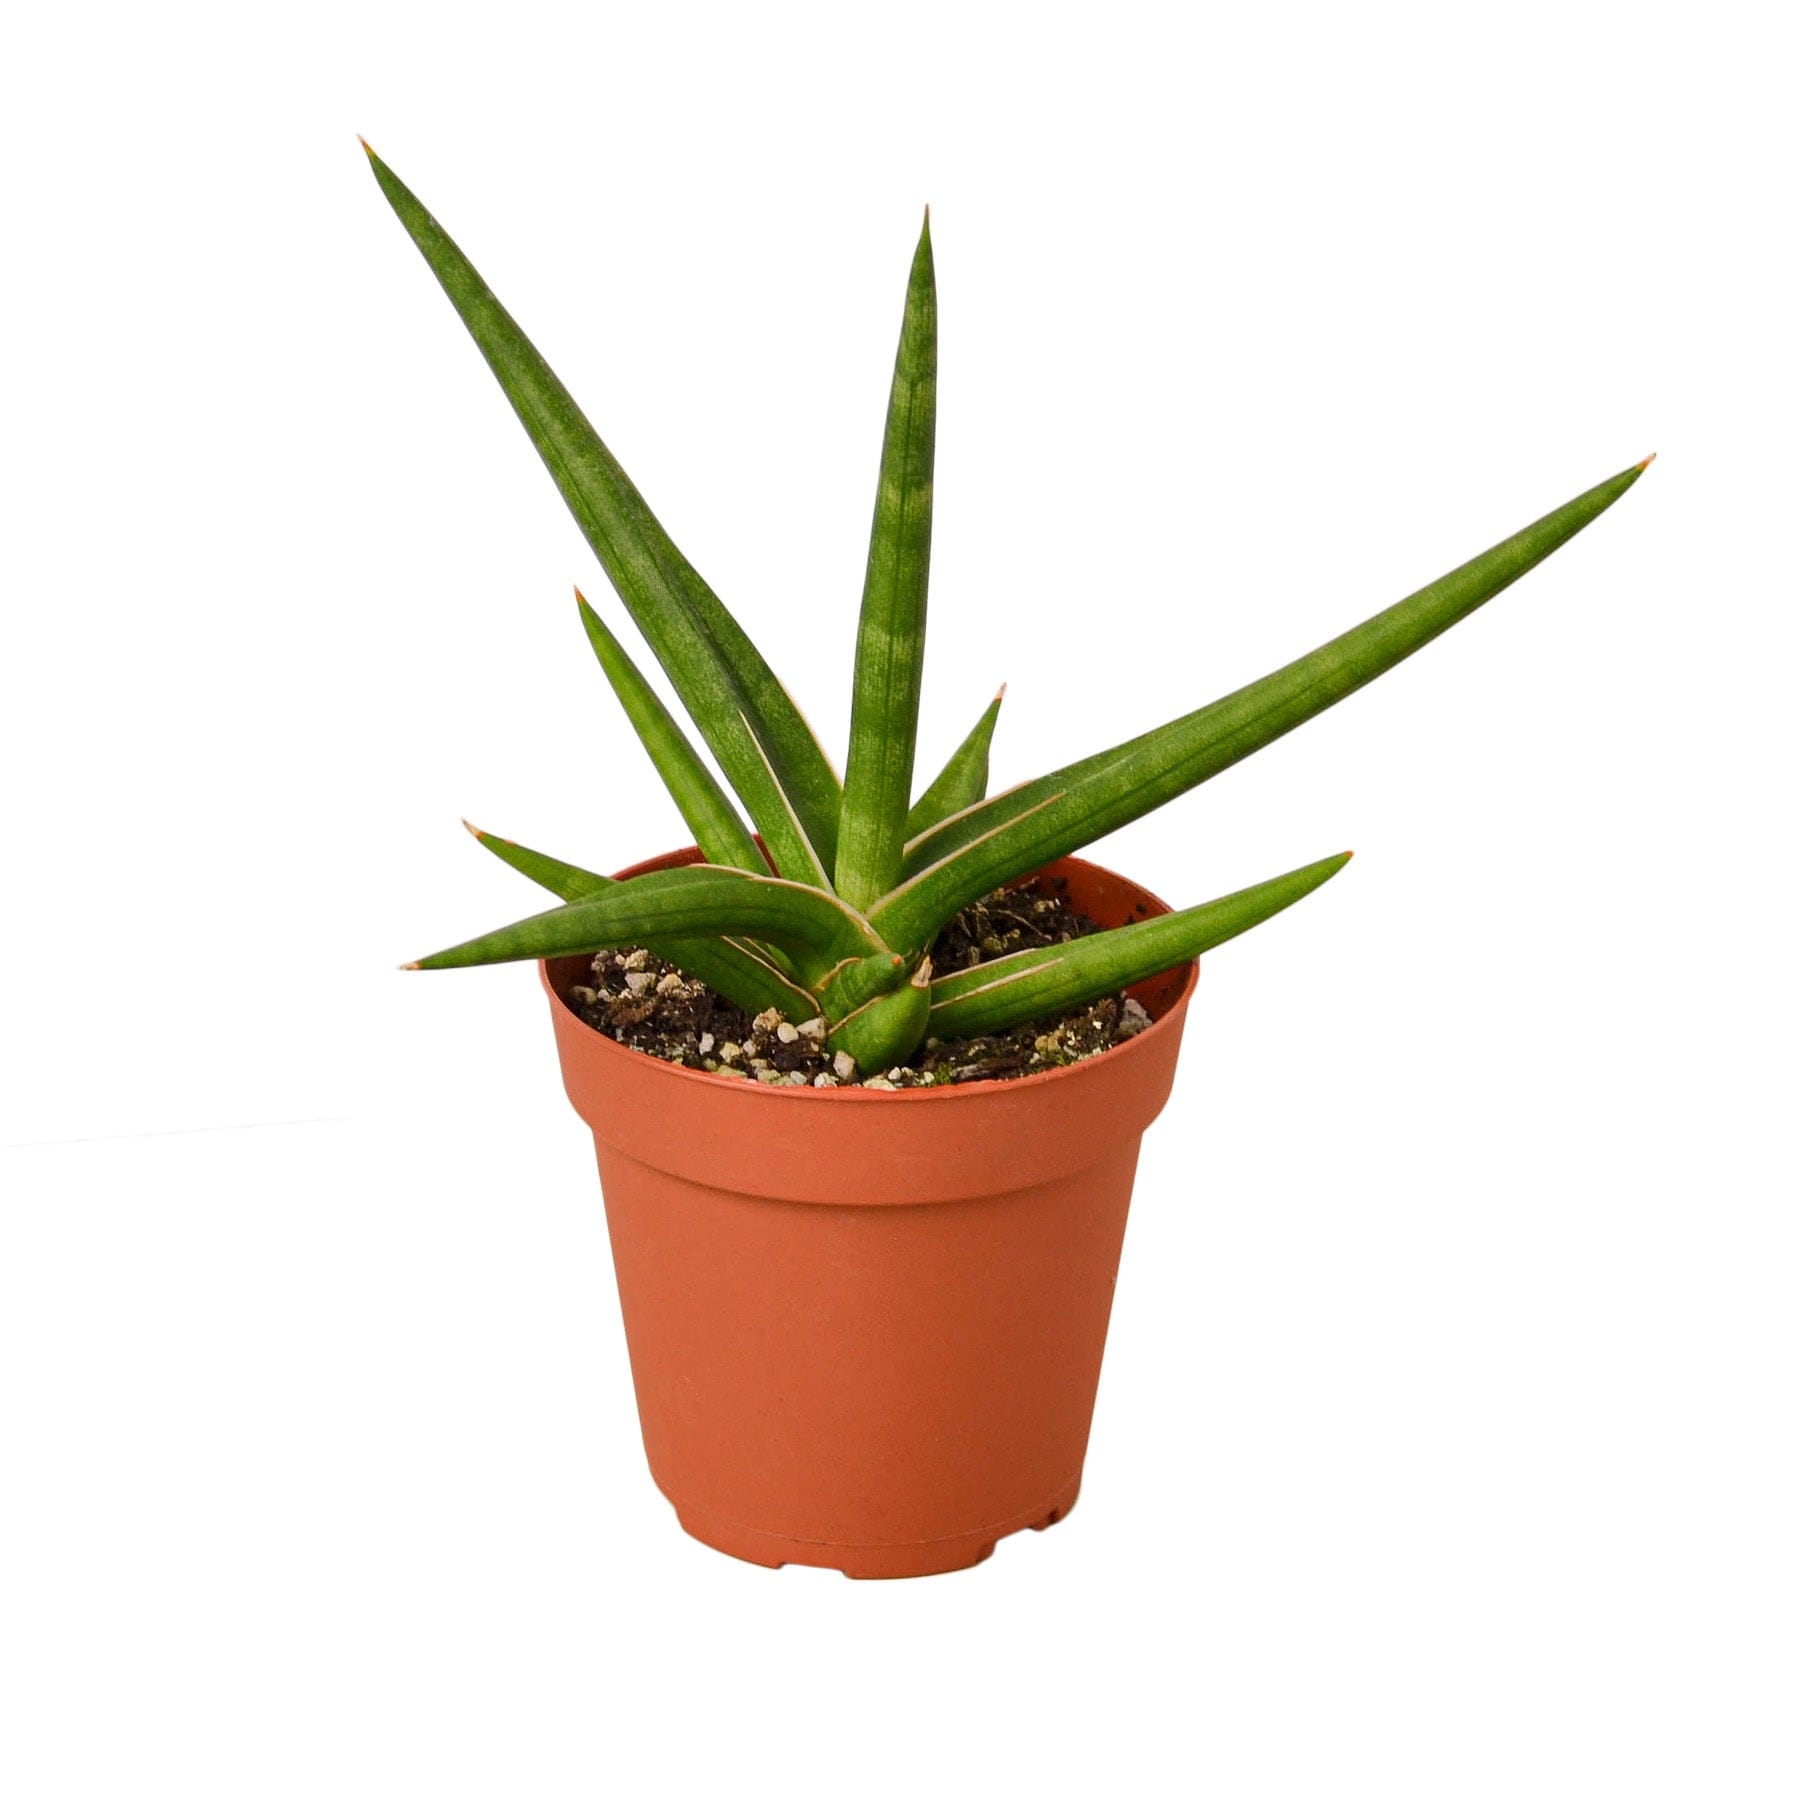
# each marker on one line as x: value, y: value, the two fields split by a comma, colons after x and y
x: 705, y: 807
x: 745, y: 973
x: 963, y: 779
x: 742, y: 711
x: 886, y: 1029
x: 976, y: 851
x: 565, y: 880
x: 890, y: 635
x: 1034, y: 984
x: 699, y: 901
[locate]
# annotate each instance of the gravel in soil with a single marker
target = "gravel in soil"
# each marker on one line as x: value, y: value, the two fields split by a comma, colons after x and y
x: 647, y: 1004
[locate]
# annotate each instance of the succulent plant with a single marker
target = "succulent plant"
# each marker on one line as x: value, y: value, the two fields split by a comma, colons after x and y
x: 825, y: 903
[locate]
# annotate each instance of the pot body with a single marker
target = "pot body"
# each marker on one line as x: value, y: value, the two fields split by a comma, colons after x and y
x: 866, y: 1328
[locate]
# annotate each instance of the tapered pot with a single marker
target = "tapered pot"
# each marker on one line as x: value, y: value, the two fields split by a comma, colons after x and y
x: 866, y: 1328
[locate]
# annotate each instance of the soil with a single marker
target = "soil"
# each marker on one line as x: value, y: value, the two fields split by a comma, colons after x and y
x: 647, y: 1004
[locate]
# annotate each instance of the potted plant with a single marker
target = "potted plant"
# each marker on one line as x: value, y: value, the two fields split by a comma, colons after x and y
x: 866, y: 1297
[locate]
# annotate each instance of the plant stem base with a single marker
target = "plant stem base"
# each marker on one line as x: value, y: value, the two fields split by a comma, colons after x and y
x: 870, y: 1562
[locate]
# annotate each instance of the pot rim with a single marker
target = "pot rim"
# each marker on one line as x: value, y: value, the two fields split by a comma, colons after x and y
x: 966, y: 1092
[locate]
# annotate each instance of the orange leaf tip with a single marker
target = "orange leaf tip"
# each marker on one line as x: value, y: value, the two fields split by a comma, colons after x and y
x: 1648, y: 460
x: 474, y: 831
x: 409, y: 965
x: 366, y: 145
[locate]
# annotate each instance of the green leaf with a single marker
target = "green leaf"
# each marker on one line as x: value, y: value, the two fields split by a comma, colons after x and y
x: 890, y: 635
x: 963, y: 779
x: 708, y: 813
x: 1030, y: 825
x: 565, y: 880
x: 744, y: 973
x: 1036, y: 984
x: 742, y: 711
x: 698, y: 901
x: 857, y: 980
x: 887, y: 1029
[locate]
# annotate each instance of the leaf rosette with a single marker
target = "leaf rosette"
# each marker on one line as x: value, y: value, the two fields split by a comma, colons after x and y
x: 822, y: 896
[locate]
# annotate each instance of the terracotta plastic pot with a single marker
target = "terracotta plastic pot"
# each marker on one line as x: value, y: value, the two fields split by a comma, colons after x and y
x: 866, y: 1328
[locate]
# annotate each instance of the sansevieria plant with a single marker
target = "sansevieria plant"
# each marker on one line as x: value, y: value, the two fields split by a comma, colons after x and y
x: 825, y: 903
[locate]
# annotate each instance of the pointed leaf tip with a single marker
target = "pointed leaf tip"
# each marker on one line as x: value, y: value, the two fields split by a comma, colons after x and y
x: 701, y: 647
x: 1648, y: 460
x: 370, y: 148
x: 405, y: 966
x: 474, y: 831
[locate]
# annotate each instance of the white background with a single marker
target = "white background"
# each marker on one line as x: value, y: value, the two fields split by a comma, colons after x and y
x: 1446, y: 1443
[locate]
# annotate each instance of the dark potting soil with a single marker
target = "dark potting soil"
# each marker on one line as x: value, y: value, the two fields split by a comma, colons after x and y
x: 649, y: 1005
